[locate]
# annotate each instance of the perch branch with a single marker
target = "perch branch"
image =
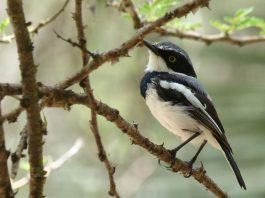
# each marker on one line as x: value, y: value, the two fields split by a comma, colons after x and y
x: 30, y: 96
x: 59, y: 98
x: 131, y: 130
x: 34, y: 30
x: 5, y: 185
x: 85, y: 83
x: 53, y: 165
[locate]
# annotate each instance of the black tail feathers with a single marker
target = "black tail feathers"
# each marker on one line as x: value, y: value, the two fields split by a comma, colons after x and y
x: 234, y: 167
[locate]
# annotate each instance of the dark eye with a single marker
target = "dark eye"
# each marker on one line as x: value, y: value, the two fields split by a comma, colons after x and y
x: 172, y: 59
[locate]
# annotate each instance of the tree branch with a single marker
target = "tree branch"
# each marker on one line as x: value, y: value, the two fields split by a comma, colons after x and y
x: 5, y: 185
x: 123, y: 49
x: 211, y: 38
x: 127, y: 6
x: 34, y: 30
x: 30, y: 97
x: 85, y: 83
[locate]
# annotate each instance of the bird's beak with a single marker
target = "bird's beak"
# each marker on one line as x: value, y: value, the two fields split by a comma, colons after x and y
x: 150, y: 47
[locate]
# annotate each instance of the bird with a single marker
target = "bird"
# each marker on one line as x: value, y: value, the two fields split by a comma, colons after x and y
x: 181, y: 104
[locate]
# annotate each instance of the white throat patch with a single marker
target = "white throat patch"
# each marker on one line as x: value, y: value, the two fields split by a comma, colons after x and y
x: 156, y: 63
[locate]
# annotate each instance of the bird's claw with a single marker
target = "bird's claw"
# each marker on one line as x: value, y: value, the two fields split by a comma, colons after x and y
x: 190, y: 164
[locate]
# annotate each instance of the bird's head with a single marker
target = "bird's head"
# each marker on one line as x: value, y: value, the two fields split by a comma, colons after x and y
x: 168, y: 57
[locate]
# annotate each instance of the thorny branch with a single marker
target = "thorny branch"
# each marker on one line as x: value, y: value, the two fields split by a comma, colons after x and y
x: 5, y: 185
x: 30, y: 96
x: 79, y: 45
x: 85, y: 83
x: 55, y: 97
x: 128, y: 7
x: 35, y: 30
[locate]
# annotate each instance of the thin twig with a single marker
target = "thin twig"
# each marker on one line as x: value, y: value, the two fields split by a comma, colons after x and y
x: 18, y: 154
x: 5, y: 185
x: 114, y: 54
x: 211, y: 38
x: 59, y: 98
x: 85, y: 83
x: 53, y: 165
x: 34, y: 30
x: 75, y: 44
x: 30, y: 96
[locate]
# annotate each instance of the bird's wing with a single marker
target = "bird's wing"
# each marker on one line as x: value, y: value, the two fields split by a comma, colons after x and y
x: 198, y: 103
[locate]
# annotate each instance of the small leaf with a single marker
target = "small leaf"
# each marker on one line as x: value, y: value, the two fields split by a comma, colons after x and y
x: 240, y: 21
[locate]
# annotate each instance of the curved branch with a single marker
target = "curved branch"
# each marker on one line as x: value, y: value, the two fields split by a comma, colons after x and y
x: 127, y: 6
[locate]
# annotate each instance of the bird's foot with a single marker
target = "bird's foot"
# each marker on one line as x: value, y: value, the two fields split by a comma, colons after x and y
x: 173, y: 153
x: 190, y: 165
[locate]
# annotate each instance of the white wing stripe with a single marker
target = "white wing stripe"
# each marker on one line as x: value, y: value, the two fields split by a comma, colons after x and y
x: 190, y: 97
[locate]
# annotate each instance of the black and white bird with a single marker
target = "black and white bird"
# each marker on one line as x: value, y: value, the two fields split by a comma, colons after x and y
x: 181, y: 104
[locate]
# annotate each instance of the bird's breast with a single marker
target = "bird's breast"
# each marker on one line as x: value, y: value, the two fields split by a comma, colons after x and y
x: 173, y: 117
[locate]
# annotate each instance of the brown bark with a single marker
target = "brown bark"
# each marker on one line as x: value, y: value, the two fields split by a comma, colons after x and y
x: 30, y: 96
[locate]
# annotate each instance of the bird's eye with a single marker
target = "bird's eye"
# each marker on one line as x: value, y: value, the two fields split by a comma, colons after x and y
x: 172, y: 59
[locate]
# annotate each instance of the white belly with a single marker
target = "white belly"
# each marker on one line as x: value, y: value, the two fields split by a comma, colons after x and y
x: 177, y: 121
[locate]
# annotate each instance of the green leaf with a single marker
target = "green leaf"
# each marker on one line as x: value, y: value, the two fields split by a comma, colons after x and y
x: 4, y: 24
x: 241, y: 20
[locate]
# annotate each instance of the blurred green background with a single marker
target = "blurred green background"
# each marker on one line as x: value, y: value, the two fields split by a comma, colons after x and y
x: 233, y: 75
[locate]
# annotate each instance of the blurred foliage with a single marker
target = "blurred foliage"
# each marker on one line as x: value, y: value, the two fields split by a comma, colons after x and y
x: 3, y: 25
x: 151, y: 10
x: 241, y: 20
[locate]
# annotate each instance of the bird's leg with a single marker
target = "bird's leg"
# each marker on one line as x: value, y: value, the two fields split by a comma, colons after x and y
x: 175, y: 150
x: 191, y: 162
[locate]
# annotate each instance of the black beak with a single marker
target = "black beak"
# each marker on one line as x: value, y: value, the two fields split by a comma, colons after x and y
x: 151, y: 47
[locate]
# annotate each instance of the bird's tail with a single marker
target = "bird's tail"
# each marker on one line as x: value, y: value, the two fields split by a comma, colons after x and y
x: 234, y: 167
